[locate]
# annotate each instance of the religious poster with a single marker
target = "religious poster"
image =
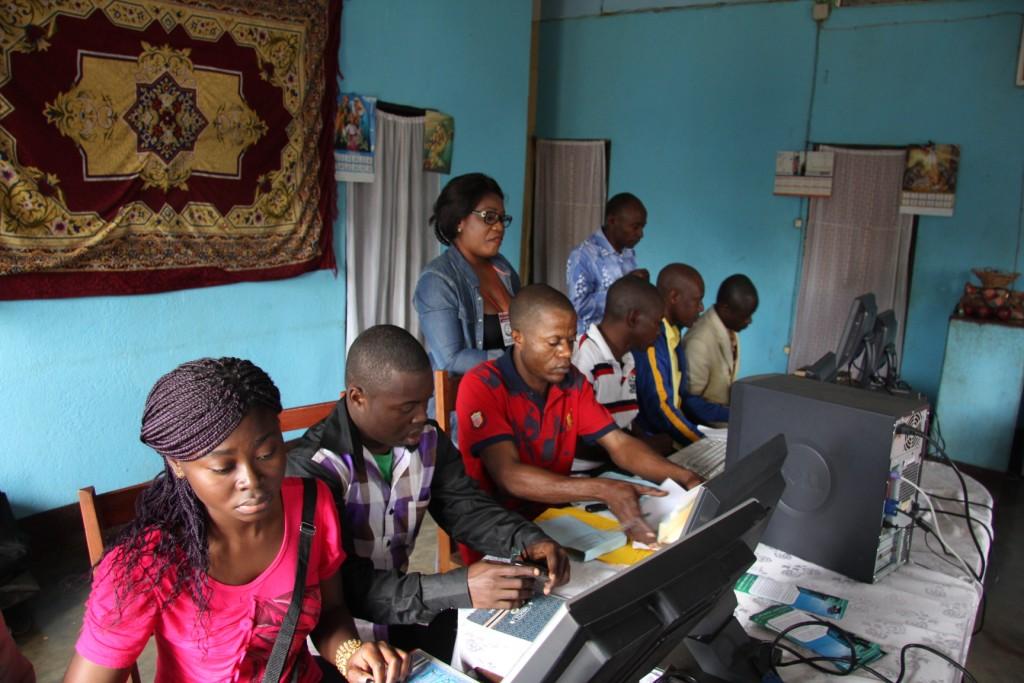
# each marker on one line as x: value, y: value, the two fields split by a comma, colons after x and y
x: 355, y: 135
x: 438, y: 142
x: 157, y: 145
x: 929, y: 181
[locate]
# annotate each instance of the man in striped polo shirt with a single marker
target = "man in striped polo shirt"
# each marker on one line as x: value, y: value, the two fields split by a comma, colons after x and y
x: 631, y: 322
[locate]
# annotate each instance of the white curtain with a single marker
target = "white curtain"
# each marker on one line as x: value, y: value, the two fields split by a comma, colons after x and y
x: 388, y: 240
x: 569, y: 198
x: 857, y: 242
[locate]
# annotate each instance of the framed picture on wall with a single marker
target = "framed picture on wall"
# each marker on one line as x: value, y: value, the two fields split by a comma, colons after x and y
x: 1020, y: 60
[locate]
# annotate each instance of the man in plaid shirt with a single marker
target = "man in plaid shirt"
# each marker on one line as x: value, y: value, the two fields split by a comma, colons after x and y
x: 387, y: 465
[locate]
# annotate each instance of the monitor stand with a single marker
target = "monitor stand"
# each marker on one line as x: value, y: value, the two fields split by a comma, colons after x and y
x: 718, y: 650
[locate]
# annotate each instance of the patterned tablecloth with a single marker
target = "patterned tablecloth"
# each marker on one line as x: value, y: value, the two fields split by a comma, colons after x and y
x: 926, y: 601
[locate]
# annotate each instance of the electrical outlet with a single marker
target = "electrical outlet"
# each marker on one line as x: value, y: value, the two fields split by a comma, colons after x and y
x: 820, y: 11
x: 798, y: 223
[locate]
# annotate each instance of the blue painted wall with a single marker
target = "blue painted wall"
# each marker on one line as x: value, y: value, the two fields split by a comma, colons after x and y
x: 467, y: 58
x: 696, y: 102
x: 74, y: 373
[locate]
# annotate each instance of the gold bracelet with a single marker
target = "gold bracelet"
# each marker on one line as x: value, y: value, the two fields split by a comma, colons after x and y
x: 345, y: 652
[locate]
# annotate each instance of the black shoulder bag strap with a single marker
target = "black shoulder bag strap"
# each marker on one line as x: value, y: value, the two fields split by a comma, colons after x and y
x: 278, y: 656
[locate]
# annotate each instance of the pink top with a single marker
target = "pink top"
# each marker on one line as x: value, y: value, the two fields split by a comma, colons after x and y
x: 242, y: 623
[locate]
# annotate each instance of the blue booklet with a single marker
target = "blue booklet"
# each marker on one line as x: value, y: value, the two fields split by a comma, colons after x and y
x: 427, y: 669
x: 526, y: 622
x: 577, y: 536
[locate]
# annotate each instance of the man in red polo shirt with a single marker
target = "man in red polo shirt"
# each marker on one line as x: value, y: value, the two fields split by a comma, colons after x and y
x: 520, y: 417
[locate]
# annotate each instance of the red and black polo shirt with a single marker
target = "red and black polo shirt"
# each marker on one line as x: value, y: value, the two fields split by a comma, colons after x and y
x: 494, y: 404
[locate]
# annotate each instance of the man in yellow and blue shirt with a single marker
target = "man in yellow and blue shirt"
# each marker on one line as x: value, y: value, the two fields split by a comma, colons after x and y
x: 661, y: 374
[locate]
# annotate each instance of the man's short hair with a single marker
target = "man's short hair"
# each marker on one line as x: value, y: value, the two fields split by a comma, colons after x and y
x: 379, y: 351
x: 630, y: 293
x: 677, y: 276
x: 619, y: 202
x: 532, y: 300
x: 736, y: 291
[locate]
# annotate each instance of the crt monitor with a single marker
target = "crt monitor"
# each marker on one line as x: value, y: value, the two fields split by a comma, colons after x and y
x: 622, y: 628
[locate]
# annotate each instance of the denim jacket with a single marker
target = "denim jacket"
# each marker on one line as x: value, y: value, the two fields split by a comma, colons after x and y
x: 451, y: 310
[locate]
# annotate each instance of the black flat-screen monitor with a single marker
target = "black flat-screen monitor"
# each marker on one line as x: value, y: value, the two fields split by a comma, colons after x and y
x: 880, y: 348
x: 859, y: 325
x: 619, y: 630
x: 758, y: 475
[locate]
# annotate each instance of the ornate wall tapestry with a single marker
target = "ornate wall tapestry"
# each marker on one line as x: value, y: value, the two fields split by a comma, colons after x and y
x: 154, y: 145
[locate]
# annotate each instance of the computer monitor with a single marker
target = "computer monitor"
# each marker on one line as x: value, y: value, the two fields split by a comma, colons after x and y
x: 880, y: 348
x: 859, y: 324
x: 758, y: 475
x: 622, y: 628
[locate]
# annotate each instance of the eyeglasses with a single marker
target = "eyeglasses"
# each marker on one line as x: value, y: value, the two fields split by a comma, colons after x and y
x: 492, y: 217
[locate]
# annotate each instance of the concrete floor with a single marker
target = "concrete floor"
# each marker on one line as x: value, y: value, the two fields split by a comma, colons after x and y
x: 997, y: 653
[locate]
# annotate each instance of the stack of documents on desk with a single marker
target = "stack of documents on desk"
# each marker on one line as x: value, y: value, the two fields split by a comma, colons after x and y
x: 669, y: 514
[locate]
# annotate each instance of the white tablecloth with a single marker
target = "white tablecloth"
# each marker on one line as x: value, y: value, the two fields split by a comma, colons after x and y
x: 926, y: 601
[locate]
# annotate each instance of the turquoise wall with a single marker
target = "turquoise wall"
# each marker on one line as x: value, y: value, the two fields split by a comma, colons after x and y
x: 696, y: 102
x: 467, y: 58
x: 74, y: 373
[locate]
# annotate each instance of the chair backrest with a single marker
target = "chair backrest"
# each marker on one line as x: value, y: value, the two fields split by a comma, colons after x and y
x: 304, y: 417
x: 445, y: 388
x: 106, y: 511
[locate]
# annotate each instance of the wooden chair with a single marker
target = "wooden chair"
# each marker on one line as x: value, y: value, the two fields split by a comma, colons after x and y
x: 304, y: 417
x: 104, y: 512
x: 445, y: 388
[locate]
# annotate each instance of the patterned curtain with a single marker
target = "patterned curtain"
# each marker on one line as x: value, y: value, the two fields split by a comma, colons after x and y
x: 569, y: 198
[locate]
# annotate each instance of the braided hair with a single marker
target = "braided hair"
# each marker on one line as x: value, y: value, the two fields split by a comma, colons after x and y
x: 458, y: 198
x: 189, y: 412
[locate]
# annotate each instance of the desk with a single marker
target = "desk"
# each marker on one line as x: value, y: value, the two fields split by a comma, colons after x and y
x: 925, y: 601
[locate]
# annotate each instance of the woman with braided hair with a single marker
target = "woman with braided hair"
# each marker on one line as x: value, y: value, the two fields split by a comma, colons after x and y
x: 208, y: 566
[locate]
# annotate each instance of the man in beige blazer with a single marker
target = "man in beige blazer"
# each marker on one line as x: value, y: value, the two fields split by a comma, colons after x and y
x: 713, y: 345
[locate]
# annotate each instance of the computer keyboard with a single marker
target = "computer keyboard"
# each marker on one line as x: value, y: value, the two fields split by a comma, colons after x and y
x: 705, y: 458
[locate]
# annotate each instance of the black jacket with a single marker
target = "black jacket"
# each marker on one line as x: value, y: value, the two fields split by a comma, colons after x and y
x: 458, y: 506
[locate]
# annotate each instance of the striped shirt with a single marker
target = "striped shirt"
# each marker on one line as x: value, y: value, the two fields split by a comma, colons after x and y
x: 384, y: 517
x: 614, y: 379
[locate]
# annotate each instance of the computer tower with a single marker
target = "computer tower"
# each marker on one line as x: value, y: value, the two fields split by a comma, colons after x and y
x: 845, y: 462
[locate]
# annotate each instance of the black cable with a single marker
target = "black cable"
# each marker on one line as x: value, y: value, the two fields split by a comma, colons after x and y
x: 958, y: 500
x: 984, y: 527
x: 983, y: 606
x: 852, y: 661
x: 927, y: 648
x: 906, y: 429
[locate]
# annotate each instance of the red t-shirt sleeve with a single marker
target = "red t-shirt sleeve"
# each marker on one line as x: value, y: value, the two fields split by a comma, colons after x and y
x: 595, y: 420
x: 328, y: 533
x: 481, y: 407
x: 111, y: 637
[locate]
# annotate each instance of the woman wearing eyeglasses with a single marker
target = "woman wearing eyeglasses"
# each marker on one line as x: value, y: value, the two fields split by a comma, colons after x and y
x: 463, y: 295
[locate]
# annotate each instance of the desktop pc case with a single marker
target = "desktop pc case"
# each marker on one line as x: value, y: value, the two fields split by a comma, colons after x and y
x: 845, y: 462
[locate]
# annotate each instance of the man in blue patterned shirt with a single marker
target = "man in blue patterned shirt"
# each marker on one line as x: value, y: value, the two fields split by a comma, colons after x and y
x: 604, y: 257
